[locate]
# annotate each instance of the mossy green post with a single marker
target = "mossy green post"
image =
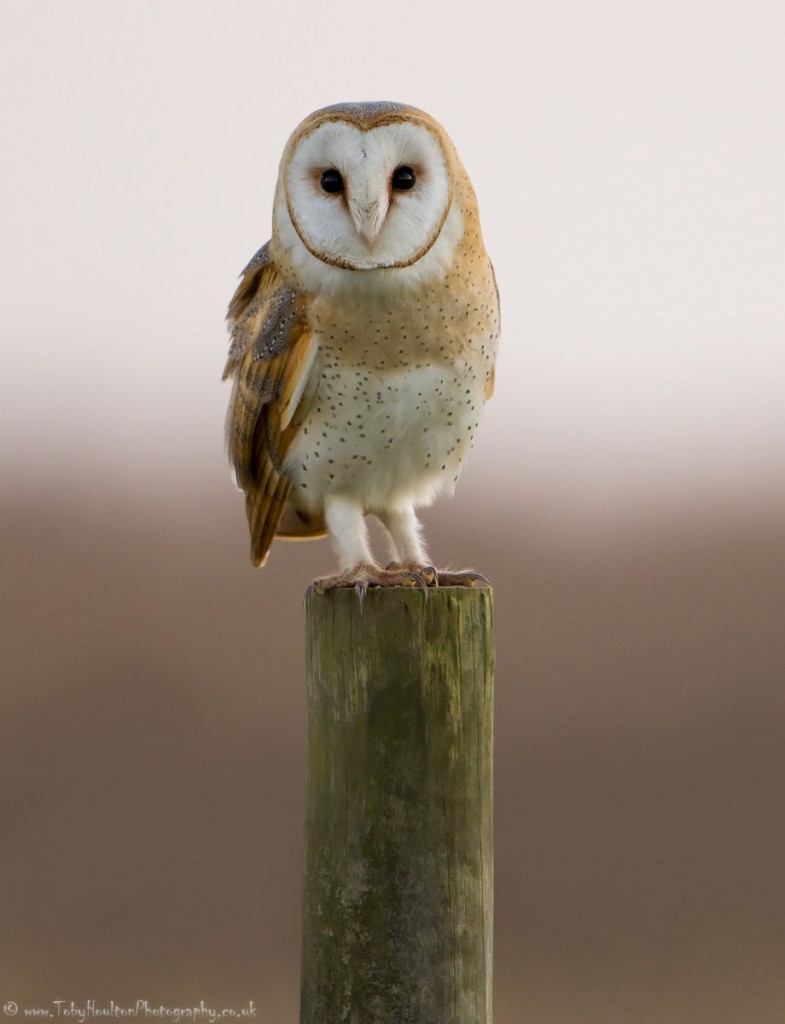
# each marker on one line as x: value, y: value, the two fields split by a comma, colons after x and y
x: 398, y: 888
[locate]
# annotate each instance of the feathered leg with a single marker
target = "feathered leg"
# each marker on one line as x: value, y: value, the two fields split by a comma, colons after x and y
x: 410, y: 554
x: 345, y: 520
x: 405, y: 532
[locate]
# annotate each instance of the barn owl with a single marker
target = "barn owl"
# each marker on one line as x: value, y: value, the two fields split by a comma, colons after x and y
x: 363, y: 342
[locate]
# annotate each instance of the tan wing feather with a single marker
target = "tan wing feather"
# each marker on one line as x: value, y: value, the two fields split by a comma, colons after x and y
x: 272, y: 359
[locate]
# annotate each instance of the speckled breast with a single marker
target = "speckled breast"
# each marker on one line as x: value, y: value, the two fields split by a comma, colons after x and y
x: 386, y: 433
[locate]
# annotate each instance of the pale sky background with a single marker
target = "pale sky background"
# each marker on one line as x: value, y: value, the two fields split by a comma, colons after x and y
x: 629, y: 160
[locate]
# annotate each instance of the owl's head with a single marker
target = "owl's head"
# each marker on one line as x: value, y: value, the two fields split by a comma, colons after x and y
x: 367, y: 187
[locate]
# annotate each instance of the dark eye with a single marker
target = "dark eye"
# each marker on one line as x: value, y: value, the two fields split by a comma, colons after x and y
x: 332, y: 181
x: 403, y: 179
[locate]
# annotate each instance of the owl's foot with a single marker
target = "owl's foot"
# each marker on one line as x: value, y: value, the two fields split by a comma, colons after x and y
x: 462, y: 578
x: 442, y: 577
x: 366, y: 575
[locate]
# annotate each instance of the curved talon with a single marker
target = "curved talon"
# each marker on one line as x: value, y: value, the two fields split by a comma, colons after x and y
x: 312, y: 588
x: 420, y: 582
x: 361, y: 589
x: 478, y: 576
x: 424, y: 575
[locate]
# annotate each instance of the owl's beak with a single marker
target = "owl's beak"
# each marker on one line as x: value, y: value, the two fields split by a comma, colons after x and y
x: 369, y: 234
x: 369, y: 218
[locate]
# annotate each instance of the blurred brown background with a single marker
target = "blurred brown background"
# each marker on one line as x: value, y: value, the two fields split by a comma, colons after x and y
x: 626, y: 497
x: 152, y: 754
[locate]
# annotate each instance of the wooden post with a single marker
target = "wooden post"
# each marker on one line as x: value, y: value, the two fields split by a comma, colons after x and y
x: 398, y: 887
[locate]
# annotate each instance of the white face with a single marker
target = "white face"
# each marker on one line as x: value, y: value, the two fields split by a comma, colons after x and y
x: 366, y: 200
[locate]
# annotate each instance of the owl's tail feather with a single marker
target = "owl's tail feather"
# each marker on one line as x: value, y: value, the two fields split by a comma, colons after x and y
x: 265, y: 508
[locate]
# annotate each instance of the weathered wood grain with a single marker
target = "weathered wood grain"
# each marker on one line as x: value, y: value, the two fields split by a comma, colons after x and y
x: 398, y: 886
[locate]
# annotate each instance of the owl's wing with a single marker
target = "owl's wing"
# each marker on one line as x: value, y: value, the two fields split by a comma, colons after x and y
x: 491, y: 382
x: 272, y: 360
